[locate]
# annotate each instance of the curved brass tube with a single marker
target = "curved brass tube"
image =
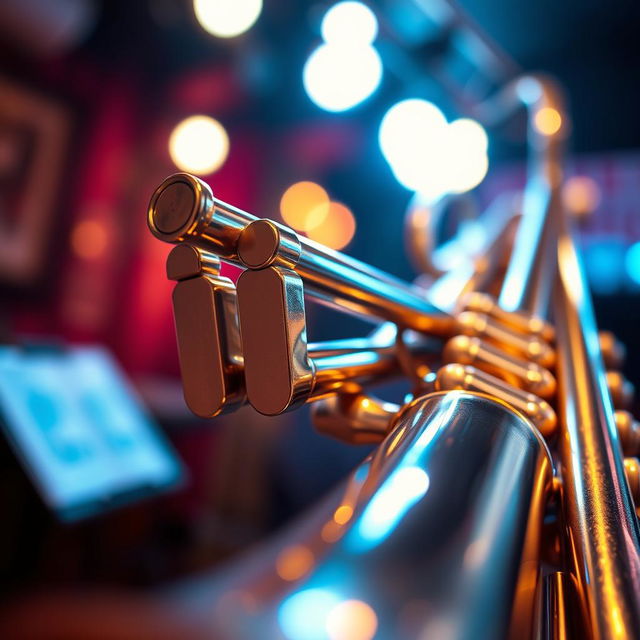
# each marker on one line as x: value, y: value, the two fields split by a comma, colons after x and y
x: 381, y: 551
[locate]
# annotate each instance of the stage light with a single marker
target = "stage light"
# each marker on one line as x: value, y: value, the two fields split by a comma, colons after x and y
x: 227, y: 18
x: 199, y: 145
x: 429, y: 156
x: 337, y: 77
x: 632, y: 262
x: 304, y: 205
x: 403, y: 122
x: 337, y: 230
x: 465, y: 155
x: 468, y: 135
x: 349, y: 23
x: 351, y: 620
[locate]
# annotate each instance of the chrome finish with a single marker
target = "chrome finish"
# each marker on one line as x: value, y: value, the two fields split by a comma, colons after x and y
x: 336, y: 283
x: 483, y: 355
x: 352, y: 416
x: 206, y: 321
x: 381, y: 550
x: 183, y: 208
x: 278, y: 372
x: 457, y: 376
x: 480, y: 325
x: 602, y: 528
x: 471, y: 515
x: 521, y: 322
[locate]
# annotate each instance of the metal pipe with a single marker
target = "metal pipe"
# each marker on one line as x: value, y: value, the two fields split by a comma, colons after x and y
x: 183, y: 209
x: 332, y: 280
x: 531, y: 268
x: 602, y: 528
x: 444, y: 518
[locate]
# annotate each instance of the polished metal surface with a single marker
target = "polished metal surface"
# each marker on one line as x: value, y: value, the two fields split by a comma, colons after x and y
x: 603, y: 535
x: 521, y: 373
x: 457, y: 376
x: 444, y: 519
x: 460, y: 483
x: 207, y: 332
x: 330, y: 277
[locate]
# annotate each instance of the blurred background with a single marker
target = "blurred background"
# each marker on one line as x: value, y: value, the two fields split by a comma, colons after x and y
x: 305, y: 112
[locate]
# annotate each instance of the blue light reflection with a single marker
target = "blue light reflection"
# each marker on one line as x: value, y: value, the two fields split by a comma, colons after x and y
x: 303, y: 615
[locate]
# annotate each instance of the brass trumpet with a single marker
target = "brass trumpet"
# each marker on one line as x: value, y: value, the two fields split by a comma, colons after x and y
x: 499, y: 503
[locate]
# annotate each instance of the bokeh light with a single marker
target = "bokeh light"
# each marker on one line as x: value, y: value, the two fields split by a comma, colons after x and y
x: 466, y: 172
x: 632, y: 262
x: 89, y: 239
x: 351, y: 620
x: 406, y: 119
x: 467, y: 133
x: 227, y: 18
x: 294, y: 562
x: 547, y: 121
x: 199, y: 145
x: 349, y: 22
x: 338, y: 228
x: 581, y: 195
x: 605, y: 262
x: 304, y: 205
x: 303, y: 615
x: 430, y: 156
x: 337, y: 77
x: 343, y: 514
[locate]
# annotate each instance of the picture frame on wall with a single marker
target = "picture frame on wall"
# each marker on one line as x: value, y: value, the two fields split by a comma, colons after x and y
x: 34, y: 137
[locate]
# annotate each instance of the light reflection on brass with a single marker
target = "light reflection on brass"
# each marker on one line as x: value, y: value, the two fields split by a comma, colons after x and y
x: 613, y: 351
x: 489, y: 473
x: 482, y: 355
x: 632, y: 472
x: 521, y: 322
x: 621, y: 390
x: 354, y: 417
x: 628, y: 432
x: 278, y: 372
x: 457, y: 376
x: 471, y: 323
x: 600, y: 517
x: 186, y: 261
x: 206, y: 321
x: 183, y: 208
x: 462, y: 479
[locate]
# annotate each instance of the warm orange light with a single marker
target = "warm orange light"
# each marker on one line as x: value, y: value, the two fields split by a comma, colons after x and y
x: 89, y: 239
x: 581, y: 195
x: 331, y: 532
x: 352, y: 620
x: 547, y: 121
x: 294, y: 562
x: 304, y: 205
x: 343, y: 514
x: 337, y: 229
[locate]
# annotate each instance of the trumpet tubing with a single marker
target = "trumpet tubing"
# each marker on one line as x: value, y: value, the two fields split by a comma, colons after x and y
x: 499, y: 498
